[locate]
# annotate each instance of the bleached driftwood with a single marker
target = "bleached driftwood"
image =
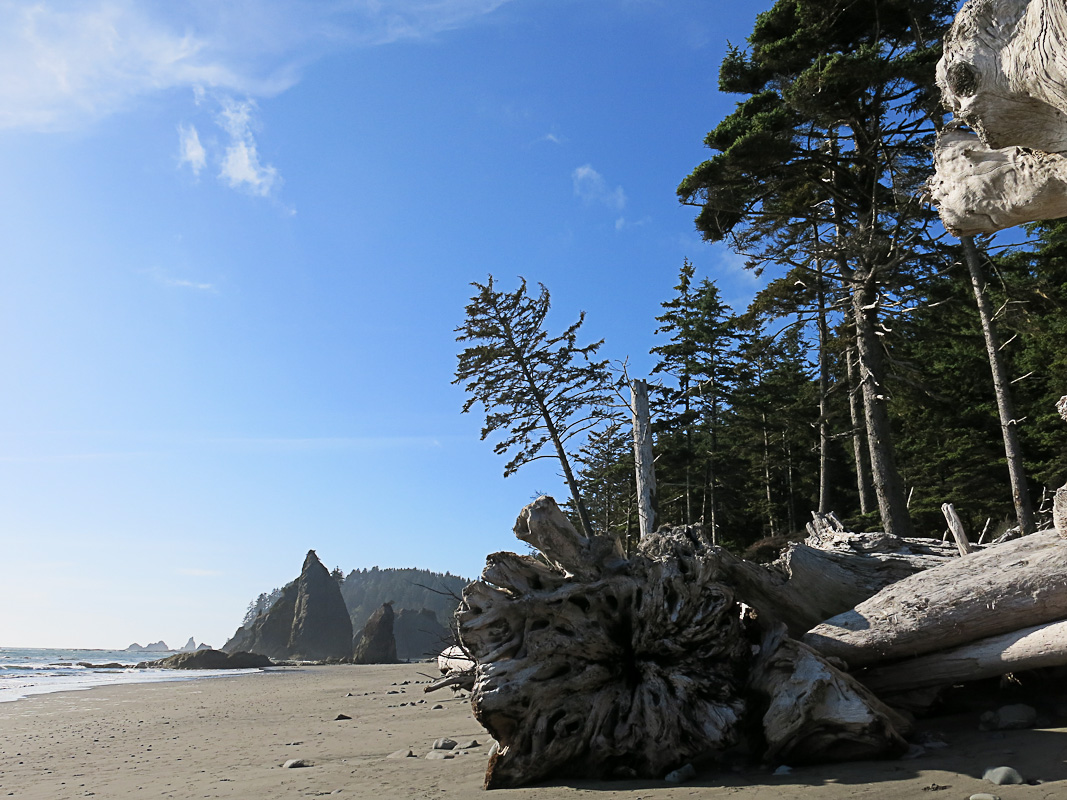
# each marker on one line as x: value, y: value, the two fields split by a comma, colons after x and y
x: 830, y: 572
x: 1003, y: 72
x: 816, y: 712
x: 1001, y: 589
x: 1030, y: 648
x: 590, y: 664
x: 978, y: 189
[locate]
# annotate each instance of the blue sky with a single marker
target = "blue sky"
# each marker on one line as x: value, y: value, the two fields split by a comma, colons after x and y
x: 236, y: 244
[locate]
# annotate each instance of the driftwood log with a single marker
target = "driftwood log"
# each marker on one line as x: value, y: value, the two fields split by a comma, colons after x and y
x: 1003, y: 74
x: 1001, y: 589
x: 830, y: 572
x: 1030, y: 648
x: 592, y: 664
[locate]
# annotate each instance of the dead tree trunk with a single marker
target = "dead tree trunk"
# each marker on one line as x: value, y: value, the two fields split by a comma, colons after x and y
x: 644, y: 464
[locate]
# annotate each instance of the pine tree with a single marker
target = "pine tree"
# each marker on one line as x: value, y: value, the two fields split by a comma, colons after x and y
x: 833, y: 136
x: 537, y: 389
x: 700, y: 330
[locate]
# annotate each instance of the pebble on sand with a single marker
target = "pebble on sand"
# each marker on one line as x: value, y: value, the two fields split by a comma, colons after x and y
x: 296, y: 763
x: 681, y: 775
x: 983, y: 796
x: 444, y: 744
x: 438, y: 755
x: 1002, y: 776
x: 401, y: 754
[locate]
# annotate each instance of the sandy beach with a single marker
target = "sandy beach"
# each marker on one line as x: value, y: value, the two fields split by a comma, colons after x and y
x: 228, y: 737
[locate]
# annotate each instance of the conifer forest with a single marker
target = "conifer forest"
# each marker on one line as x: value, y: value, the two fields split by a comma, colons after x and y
x: 887, y: 367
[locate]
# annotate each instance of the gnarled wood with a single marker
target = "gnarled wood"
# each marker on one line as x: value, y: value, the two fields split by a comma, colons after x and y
x: 610, y: 667
x: 830, y: 572
x: 816, y: 712
x: 1003, y: 72
x: 1001, y: 589
x: 978, y: 189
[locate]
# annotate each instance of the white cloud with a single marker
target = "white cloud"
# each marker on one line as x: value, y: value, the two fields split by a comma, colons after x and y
x: 191, y: 152
x: 592, y: 188
x: 241, y: 168
x: 65, y: 65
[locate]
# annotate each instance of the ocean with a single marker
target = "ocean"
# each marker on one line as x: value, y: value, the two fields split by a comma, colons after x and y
x: 28, y: 671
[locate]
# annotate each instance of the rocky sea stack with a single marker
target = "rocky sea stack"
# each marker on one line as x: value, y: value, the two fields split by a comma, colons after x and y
x: 376, y: 644
x: 309, y: 622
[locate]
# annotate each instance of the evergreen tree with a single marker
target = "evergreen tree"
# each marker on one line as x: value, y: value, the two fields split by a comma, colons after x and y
x: 699, y: 327
x: 833, y: 136
x: 536, y: 388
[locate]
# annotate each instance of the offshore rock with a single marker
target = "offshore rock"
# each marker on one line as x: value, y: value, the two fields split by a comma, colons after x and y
x: 376, y: 644
x: 309, y: 622
x: 209, y: 659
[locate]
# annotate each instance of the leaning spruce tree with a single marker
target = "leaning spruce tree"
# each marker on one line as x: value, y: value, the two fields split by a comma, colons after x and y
x: 539, y: 389
x: 834, y: 136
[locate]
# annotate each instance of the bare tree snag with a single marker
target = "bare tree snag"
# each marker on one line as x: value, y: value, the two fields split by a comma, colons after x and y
x: 816, y: 712
x: 592, y: 665
x: 1003, y: 72
x: 956, y: 526
x: 1001, y: 589
x: 1059, y: 502
x: 978, y: 189
x: 1030, y: 648
x: 644, y: 463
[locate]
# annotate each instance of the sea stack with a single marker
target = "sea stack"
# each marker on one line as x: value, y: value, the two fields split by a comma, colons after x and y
x: 376, y: 644
x: 309, y: 622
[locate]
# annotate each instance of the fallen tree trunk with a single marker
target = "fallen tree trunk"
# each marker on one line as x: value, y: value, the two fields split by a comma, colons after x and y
x: 998, y: 590
x: 593, y: 665
x: 1026, y: 649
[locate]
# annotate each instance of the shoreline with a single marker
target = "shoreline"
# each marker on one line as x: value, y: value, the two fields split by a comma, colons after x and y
x: 213, y: 738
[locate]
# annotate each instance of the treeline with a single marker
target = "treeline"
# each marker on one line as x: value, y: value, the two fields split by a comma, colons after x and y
x: 859, y: 380
x: 758, y: 420
x: 364, y: 590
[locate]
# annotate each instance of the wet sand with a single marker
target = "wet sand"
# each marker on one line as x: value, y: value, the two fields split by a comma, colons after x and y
x: 228, y: 737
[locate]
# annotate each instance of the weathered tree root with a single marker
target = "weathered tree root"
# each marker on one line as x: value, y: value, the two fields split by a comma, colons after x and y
x: 593, y: 665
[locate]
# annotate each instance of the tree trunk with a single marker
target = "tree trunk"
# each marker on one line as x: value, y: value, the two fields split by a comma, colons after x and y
x: 858, y: 428
x: 998, y: 590
x: 1013, y: 451
x: 824, y: 411
x: 644, y: 464
x: 888, y: 489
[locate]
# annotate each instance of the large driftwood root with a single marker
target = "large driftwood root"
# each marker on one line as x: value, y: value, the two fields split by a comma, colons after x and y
x: 593, y: 665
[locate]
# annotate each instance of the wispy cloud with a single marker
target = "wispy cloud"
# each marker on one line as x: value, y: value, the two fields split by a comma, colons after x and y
x: 191, y: 152
x: 591, y: 187
x: 241, y: 167
x: 164, y: 279
x: 63, y: 65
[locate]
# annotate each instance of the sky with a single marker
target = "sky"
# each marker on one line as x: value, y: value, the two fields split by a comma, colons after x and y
x: 237, y: 239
